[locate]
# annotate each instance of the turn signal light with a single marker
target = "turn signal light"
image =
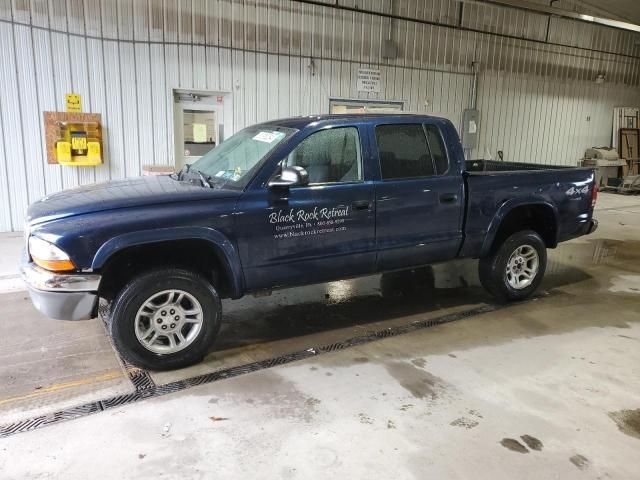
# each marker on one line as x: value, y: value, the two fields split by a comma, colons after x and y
x: 54, y: 265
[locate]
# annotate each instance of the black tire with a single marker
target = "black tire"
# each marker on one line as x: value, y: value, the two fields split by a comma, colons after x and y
x: 122, y: 316
x: 493, y: 268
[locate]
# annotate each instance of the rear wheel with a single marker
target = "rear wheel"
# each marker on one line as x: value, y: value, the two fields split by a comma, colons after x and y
x: 515, y: 269
x: 165, y: 319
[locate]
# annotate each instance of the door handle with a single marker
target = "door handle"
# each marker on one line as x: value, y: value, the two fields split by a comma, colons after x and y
x: 448, y: 198
x: 361, y: 205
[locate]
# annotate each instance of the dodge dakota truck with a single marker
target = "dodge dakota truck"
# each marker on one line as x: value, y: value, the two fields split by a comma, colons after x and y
x: 286, y: 203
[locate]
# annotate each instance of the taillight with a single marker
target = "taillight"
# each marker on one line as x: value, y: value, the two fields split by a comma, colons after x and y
x: 594, y: 194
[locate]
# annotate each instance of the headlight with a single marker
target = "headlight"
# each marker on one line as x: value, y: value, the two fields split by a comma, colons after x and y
x: 48, y: 256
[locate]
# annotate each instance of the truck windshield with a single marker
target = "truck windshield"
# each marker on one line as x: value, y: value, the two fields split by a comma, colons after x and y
x: 232, y: 163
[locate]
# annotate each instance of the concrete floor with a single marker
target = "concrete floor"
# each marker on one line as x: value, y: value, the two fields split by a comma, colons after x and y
x: 544, y: 389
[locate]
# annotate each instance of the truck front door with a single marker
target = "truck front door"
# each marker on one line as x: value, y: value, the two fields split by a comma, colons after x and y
x: 313, y: 233
x: 419, y: 199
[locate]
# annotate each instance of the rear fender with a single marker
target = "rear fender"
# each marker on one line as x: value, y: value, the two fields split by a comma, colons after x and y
x: 504, y: 210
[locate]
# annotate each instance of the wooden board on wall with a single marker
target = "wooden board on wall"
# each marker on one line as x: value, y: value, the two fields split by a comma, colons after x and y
x: 51, y: 120
x: 629, y: 143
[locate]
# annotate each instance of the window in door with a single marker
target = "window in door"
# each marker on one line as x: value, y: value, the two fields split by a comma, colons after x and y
x: 438, y: 152
x: 329, y: 156
x: 403, y: 151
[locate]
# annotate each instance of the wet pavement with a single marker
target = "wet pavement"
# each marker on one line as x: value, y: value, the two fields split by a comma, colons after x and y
x: 547, y: 387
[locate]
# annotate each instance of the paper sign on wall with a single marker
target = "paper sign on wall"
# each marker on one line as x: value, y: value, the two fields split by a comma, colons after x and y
x: 74, y: 102
x: 199, y: 132
x: 368, y: 80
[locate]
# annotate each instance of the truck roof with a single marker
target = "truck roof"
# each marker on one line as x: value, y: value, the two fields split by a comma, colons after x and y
x: 302, y: 122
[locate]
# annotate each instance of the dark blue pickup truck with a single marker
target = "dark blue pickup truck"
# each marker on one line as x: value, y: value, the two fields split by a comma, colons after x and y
x: 286, y: 203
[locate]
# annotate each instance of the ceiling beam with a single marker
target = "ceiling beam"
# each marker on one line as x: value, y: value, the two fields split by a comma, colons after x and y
x: 558, y: 12
x: 337, y: 5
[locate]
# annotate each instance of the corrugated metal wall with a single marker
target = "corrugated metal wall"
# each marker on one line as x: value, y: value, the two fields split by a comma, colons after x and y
x: 536, y: 82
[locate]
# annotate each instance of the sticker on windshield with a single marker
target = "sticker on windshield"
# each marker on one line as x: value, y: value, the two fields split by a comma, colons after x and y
x: 268, y: 137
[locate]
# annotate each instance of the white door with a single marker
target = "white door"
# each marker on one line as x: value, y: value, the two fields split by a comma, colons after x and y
x: 199, y: 124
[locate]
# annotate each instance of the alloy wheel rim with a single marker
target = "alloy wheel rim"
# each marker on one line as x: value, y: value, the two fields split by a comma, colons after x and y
x: 168, y: 321
x: 522, y: 267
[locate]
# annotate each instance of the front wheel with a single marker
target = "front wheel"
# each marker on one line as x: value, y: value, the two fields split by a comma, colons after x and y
x: 515, y: 269
x: 165, y: 319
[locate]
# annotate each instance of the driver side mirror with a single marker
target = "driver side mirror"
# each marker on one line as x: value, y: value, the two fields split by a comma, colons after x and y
x: 290, y: 177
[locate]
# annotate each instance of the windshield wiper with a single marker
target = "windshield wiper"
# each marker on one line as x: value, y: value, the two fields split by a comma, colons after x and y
x: 181, y: 173
x: 203, y: 178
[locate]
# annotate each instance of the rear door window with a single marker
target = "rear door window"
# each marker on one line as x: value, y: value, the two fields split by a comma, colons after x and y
x: 403, y: 151
x: 438, y: 152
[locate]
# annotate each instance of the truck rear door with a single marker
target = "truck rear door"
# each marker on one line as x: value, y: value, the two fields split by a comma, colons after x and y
x: 419, y: 196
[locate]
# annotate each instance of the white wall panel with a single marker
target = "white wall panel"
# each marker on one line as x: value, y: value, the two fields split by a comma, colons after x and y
x: 113, y: 130
x: 125, y: 56
x: 12, y: 137
x: 161, y: 116
x: 129, y: 105
x: 30, y: 115
x: 144, y: 105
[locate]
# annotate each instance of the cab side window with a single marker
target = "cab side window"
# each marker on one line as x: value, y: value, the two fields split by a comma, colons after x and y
x: 403, y: 151
x: 329, y: 156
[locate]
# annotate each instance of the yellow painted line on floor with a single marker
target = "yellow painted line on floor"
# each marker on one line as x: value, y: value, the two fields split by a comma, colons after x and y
x: 56, y: 387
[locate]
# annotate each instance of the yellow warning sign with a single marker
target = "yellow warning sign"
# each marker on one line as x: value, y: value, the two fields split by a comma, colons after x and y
x: 74, y: 102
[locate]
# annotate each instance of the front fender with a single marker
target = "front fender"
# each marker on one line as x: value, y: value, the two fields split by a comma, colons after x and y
x: 504, y: 210
x: 223, y: 246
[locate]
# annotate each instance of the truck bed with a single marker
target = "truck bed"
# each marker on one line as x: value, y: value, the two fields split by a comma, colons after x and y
x: 493, y: 186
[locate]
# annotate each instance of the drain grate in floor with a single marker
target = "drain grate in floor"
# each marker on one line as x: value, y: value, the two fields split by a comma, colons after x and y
x: 146, y: 388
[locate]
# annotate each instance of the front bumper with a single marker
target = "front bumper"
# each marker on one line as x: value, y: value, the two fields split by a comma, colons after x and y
x: 70, y: 296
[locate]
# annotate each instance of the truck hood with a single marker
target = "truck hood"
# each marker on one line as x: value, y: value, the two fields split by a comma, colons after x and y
x: 134, y: 192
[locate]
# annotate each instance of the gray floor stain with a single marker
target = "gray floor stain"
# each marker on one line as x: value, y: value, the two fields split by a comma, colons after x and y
x: 628, y: 421
x: 513, y: 445
x: 580, y: 461
x: 464, y: 422
x: 532, y: 442
x: 312, y: 401
x: 533, y: 325
x: 419, y: 362
x: 419, y: 383
x: 271, y: 391
x: 361, y: 360
x: 365, y: 419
